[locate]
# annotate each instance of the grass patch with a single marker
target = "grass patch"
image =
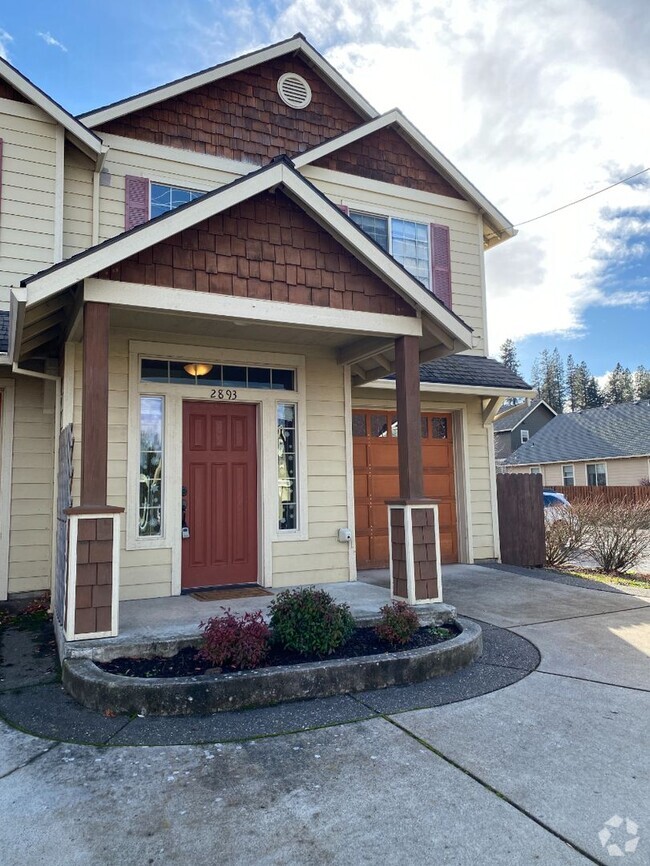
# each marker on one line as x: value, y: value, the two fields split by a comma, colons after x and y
x: 638, y: 581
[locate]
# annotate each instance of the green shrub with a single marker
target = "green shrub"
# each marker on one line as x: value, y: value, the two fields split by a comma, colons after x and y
x: 238, y: 641
x: 398, y: 623
x: 309, y: 621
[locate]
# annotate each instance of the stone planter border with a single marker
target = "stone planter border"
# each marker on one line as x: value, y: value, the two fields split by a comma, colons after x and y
x: 180, y: 696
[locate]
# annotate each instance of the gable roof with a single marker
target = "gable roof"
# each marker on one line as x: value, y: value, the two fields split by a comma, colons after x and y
x: 507, y: 421
x: 501, y: 227
x: 87, y: 141
x: 621, y: 430
x: 278, y: 173
x: 296, y: 44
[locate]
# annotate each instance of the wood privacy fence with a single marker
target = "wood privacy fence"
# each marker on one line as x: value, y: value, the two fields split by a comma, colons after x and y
x: 609, y: 494
x: 521, y: 519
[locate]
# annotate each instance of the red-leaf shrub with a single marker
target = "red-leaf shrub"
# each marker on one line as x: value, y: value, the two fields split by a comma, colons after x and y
x: 237, y: 641
x: 398, y: 623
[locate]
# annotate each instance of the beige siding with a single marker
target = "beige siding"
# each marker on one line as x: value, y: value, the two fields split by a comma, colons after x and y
x: 479, y: 470
x: 78, y: 202
x: 461, y: 218
x: 624, y: 472
x: 28, y: 186
x: 30, y: 538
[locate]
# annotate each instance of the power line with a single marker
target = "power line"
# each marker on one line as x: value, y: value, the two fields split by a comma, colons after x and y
x: 584, y: 198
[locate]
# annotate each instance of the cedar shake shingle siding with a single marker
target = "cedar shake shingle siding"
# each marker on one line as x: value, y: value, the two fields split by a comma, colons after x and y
x: 8, y: 92
x: 266, y: 248
x: 242, y: 116
x: 385, y: 156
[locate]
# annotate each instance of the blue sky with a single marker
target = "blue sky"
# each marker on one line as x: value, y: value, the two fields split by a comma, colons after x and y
x: 537, y: 103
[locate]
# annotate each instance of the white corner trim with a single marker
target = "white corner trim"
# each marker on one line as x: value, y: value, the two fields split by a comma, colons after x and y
x: 349, y: 469
x: 78, y: 131
x: 216, y: 73
x: 492, y: 466
x: 7, y: 387
x: 250, y: 309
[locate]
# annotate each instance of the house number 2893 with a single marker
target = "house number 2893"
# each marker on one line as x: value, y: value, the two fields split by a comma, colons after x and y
x: 223, y: 394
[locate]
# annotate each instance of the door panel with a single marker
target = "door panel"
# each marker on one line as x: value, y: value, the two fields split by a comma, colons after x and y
x: 376, y: 479
x: 220, y: 474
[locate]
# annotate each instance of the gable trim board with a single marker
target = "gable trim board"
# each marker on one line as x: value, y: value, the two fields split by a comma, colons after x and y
x: 501, y: 227
x: 86, y: 140
x: 280, y: 172
x: 295, y: 45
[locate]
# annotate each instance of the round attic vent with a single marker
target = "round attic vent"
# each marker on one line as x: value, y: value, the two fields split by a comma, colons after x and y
x: 294, y: 90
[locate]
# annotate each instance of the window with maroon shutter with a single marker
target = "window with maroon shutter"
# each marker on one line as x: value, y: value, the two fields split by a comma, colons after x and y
x: 136, y: 210
x: 441, y: 264
x: 344, y: 208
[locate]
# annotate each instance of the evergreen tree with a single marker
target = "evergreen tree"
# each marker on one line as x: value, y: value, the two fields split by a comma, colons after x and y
x: 642, y: 383
x: 509, y: 358
x: 620, y: 385
x: 572, y: 384
x: 593, y: 394
x: 548, y: 378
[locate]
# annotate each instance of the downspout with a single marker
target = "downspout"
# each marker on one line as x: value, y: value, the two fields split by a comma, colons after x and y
x: 47, y: 377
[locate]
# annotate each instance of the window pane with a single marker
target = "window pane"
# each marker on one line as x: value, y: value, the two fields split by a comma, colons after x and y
x: 286, y: 426
x: 378, y: 425
x: 438, y: 428
x: 178, y: 375
x: 393, y: 426
x: 234, y: 377
x: 165, y: 198
x: 568, y: 476
x: 424, y: 427
x: 258, y: 377
x: 154, y: 371
x: 151, y: 463
x: 374, y: 226
x: 410, y: 246
x: 359, y: 427
x: 282, y: 380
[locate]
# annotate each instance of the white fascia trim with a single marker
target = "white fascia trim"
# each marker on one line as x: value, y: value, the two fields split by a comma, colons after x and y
x: 232, y: 67
x: 89, y: 142
x: 181, y: 301
x: 444, y: 388
x: 175, y: 154
x: 395, y: 117
x: 322, y: 211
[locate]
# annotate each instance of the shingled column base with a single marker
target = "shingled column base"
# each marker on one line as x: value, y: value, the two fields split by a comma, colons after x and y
x: 92, y: 596
x: 414, y: 545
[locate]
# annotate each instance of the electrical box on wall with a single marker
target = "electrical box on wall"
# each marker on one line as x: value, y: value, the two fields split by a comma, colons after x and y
x: 345, y: 535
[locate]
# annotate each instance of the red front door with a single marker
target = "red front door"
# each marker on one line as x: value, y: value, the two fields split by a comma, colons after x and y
x: 220, y: 480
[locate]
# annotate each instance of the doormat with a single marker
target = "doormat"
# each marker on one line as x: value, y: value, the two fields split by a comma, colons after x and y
x: 230, y: 592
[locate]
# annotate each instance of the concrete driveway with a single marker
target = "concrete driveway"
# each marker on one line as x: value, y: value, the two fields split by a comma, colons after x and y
x: 554, y: 769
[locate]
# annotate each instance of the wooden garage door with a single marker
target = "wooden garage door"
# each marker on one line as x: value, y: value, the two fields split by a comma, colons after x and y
x: 376, y: 479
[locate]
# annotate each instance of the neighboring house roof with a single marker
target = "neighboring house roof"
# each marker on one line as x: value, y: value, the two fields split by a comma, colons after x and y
x: 512, y: 417
x: 620, y: 430
x: 501, y: 227
x: 90, y: 143
x: 295, y: 45
x: 4, y: 332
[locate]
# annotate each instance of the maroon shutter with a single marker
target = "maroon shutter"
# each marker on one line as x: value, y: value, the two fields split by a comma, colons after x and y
x: 136, y: 203
x: 344, y: 208
x: 441, y: 264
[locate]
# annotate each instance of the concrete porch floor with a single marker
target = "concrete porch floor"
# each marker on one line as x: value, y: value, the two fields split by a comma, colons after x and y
x: 161, y: 626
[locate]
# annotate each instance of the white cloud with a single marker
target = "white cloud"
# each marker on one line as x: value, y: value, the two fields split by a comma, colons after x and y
x: 50, y: 40
x: 5, y: 39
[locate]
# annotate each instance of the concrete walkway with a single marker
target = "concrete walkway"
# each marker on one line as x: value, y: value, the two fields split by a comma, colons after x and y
x: 531, y: 773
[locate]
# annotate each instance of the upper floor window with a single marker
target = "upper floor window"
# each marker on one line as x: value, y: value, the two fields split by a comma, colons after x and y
x: 406, y: 241
x: 596, y: 475
x: 165, y: 198
x: 524, y: 436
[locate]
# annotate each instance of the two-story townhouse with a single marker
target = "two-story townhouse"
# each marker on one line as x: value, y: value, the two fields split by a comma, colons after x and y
x: 233, y: 291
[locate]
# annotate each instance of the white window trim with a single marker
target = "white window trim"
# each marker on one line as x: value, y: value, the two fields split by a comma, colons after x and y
x: 265, y: 399
x: 521, y: 436
x: 407, y: 219
x: 596, y: 463
x: 536, y: 470
x: 573, y: 474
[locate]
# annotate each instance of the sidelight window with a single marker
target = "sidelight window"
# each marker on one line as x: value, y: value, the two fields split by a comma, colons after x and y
x: 287, y: 466
x: 151, y: 465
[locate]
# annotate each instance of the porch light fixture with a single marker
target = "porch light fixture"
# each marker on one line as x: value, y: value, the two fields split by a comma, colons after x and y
x: 197, y: 369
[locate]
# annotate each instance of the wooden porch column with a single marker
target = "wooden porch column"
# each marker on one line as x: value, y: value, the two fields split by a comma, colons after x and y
x: 92, y: 594
x: 409, y: 445
x: 413, y: 527
x: 94, y: 413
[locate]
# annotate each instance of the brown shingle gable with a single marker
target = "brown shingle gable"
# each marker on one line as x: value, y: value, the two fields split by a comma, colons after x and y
x: 385, y: 156
x: 242, y: 116
x: 268, y: 248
